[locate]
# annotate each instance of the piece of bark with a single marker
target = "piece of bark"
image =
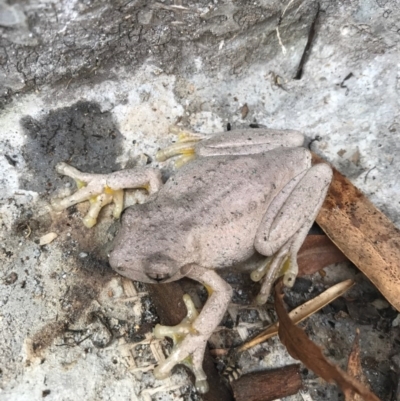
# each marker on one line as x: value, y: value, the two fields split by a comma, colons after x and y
x: 268, y: 385
x: 302, y: 348
x: 363, y: 233
x: 167, y: 299
x: 317, y: 252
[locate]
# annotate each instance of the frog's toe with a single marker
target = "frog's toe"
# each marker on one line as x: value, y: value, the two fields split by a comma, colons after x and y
x: 188, y: 347
x: 84, y: 191
x: 262, y: 299
x: 184, y: 148
x: 290, y: 277
x: 161, y: 372
x: 81, y: 195
x: 183, y: 159
x: 80, y: 177
x: 196, y: 365
x: 202, y: 386
x: 99, y: 201
x: 96, y: 204
x: 283, y: 263
x: 178, y: 333
x: 189, y: 353
x: 261, y: 270
x: 61, y: 168
x: 185, y: 135
x: 118, y: 199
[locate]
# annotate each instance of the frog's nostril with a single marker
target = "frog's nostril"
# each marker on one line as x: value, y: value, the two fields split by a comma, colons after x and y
x: 158, y: 276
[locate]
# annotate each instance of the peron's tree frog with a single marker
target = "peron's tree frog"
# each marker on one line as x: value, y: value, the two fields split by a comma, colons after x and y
x: 236, y: 194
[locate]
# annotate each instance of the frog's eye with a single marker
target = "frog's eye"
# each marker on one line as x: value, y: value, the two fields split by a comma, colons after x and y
x: 158, y: 276
x: 159, y: 267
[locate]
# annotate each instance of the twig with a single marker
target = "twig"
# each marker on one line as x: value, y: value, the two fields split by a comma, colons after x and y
x: 366, y: 175
x: 310, y: 39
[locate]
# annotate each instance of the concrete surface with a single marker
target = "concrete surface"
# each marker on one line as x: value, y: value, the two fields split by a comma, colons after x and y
x: 97, y: 84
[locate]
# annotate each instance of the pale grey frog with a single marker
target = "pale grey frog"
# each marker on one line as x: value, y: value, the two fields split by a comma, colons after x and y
x: 243, y: 192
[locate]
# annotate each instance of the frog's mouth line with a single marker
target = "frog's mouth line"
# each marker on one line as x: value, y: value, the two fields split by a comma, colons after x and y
x: 158, y: 277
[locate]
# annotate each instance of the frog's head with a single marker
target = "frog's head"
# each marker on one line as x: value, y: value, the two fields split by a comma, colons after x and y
x: 143, y: 253
x: 153, y: 268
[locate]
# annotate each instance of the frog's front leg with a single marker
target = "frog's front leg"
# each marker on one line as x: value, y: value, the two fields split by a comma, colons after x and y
x: 286, y: 224
x: 102, y: 189
x: 190, y: 337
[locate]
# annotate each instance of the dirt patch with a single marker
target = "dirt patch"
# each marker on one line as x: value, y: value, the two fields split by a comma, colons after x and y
x: 81, y: 134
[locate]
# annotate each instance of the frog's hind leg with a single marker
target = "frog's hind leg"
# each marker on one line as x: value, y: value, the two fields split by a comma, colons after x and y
x: 286, y: 224
x: 102, y: 189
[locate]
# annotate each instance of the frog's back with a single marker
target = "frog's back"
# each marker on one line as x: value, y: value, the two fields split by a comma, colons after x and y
x: 232, y: 182
x: 219, y: 201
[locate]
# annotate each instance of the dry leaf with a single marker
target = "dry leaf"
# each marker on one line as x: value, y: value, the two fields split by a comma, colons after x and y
x: 317, y: 252
x: 354, y: 368
x: 303, y: 311
x: 302, y: 348
x: 364, y: 234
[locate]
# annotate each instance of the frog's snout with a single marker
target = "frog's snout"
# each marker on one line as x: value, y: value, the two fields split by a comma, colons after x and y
x: 114, y: 259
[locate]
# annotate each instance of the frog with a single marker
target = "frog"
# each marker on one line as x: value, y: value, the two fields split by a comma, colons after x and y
x: 234, y: 195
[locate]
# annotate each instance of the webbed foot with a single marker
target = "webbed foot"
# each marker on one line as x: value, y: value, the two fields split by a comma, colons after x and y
x: 188, y: 349
x: 283, y: 263
x: 183, y: 148
x: 102, y: 189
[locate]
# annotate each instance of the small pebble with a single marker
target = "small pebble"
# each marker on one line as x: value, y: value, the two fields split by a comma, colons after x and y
x: 11, y: 278
x: 47, y: 238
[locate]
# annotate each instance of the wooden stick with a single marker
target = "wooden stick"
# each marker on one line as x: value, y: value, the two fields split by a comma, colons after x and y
x: 363, y: 233
x: 268, y: 385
